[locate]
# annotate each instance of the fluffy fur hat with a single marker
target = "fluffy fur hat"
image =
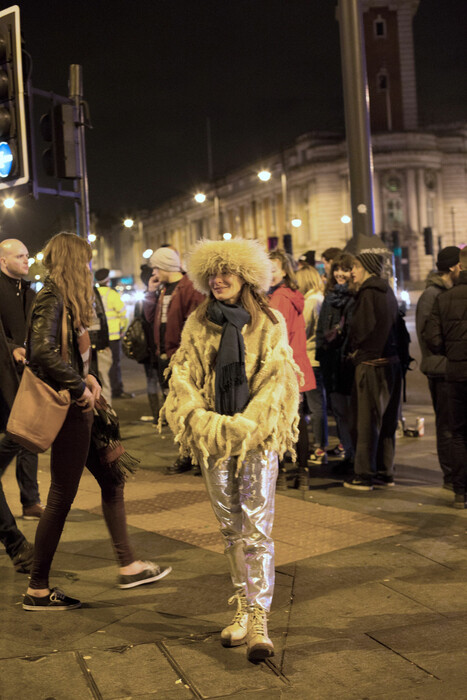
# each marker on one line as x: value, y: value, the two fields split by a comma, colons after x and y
x: 245, y: 258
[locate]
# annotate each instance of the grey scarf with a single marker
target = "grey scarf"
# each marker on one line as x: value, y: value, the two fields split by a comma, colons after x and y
x: 232, y: 394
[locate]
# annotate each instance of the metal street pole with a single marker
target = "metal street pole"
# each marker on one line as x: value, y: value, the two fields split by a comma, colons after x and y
x: 357, y: 121
x: 80, y: 184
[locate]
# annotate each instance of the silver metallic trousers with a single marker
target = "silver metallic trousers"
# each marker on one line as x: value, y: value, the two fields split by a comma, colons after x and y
x: 244, y: 507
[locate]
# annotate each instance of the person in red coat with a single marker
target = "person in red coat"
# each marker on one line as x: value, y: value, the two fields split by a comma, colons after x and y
x: 285, y: 297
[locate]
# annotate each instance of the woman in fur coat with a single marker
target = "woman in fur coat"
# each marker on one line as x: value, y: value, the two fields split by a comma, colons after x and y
x: 233, y: 408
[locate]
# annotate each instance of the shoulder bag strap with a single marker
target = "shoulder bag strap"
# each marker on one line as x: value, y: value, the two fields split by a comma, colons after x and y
x: 64, y: 335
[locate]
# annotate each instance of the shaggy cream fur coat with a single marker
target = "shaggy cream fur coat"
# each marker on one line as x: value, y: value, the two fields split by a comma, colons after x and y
x: 270, y: 420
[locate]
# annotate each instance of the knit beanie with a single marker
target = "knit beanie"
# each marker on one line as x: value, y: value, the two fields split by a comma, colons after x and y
x: 372, y: 262
x: 165, y: 259
x: 102, y: 276
x: 243, y: 257
x: 448, y: 257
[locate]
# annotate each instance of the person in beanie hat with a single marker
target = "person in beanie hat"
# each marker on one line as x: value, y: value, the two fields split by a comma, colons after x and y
x: 306, y: 259
x: 377, y: 387
x: 445, y: 334
x: 169, y: 300
x: 434, y: 365
x: 117, y: 322
x: 233, y: 407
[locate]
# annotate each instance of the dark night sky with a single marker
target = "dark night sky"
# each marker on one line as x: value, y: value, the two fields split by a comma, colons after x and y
x: 264, y: 71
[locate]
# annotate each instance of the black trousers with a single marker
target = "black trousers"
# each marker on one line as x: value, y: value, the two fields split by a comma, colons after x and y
x: 375, y: 407
x: 69, y: 455
x: 457, y: 392
x: 439, y: 390
x: 26, y: 469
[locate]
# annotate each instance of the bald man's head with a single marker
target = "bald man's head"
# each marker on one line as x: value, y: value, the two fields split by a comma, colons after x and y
x: 14, y: 258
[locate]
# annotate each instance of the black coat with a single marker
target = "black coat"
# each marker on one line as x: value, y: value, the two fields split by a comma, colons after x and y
x: 45, y: 342
x: 445, y: 331
x: 336, y: 310
x: 9, y: 376
x: 372, y: 330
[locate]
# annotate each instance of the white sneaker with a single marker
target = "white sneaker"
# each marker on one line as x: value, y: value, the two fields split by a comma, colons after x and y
x: 259, y: 645
x: 235, y: 634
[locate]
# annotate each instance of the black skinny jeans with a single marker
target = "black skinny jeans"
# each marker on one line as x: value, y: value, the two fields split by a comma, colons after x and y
x: 68, y: 458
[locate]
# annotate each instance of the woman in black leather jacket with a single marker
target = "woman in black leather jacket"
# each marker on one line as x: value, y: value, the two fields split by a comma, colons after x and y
x: 68, y: 288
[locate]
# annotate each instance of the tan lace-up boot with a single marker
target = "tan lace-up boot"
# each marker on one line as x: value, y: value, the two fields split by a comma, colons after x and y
x: 235, y: 633
x: 259, y: 645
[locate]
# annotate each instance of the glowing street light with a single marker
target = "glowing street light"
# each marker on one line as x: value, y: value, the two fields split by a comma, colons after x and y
x: 9, y: 202
x: 346, y: 219
x: 227, y: 236
x: 147, y: 253
x: 264, y: 175
x: 200, y: 197
x: 92, y: 238
x: 296, y: 222
x: 128, y: 223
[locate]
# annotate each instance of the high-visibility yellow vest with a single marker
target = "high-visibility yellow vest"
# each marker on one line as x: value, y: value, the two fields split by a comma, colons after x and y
x: 115, y: 312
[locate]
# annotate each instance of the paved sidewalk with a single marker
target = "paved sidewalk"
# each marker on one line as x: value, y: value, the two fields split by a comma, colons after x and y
x: 370, y: 601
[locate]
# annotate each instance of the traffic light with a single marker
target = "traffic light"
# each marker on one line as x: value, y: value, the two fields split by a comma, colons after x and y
x: 14, y: 167
x: 59, y: 127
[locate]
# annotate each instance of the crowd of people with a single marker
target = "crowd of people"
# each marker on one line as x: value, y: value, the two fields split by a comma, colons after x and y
x: 246, y: 355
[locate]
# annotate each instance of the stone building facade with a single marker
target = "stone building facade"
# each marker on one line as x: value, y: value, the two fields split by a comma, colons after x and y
x: 419, y: 176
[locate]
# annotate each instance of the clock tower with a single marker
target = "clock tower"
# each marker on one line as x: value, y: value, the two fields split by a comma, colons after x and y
x: 390, y: 64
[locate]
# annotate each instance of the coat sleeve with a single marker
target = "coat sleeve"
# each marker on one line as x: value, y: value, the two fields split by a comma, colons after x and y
x: 44, y: 350
x: 149, y: 306
x: 270, y: 417
x: 432, y: 332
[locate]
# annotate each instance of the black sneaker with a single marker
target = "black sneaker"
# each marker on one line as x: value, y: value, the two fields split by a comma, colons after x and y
x: 56, y: 600
x: 180, y: 466
x: 381, y: 479
x: 358, y: 483
x: 151, y: 573
x: 22, y: 561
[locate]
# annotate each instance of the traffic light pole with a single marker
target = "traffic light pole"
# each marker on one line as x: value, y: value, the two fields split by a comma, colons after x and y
x: 81, y: 184
x: 80, y: 192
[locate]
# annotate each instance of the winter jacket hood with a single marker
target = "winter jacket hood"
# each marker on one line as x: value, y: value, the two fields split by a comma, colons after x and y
x: 431, y: 364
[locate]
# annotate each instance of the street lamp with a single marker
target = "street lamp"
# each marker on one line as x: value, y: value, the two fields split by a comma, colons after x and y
x: 296, y: 222
x: 147, y: 253
x: 201, y: 197
x: 9, y: 202
x: 129, y: 223
x: 264, y: 175
x: 227, y: 236
x: 346, y: 219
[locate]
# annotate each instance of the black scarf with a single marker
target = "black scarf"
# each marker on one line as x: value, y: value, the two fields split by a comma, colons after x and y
x: 232, y: 394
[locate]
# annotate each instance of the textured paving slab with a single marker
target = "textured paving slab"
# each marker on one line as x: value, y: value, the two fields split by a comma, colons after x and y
x: 213, y: 671
x: 59, y: 676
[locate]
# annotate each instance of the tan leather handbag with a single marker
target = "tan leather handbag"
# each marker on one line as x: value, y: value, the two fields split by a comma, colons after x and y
x: 38, y: 411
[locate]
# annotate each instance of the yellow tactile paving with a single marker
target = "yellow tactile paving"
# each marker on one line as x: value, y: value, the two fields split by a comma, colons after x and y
x: 178, y: 507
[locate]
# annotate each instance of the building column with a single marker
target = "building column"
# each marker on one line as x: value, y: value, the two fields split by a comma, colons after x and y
x: 422, y: 198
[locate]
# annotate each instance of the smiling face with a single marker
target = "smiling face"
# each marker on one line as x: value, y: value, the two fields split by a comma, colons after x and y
x: 226, y: 287
x: 341, y: 275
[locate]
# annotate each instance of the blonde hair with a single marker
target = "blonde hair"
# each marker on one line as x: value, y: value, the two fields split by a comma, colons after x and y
x: 67, y: 258
x: 289, y: 280
x: 309, y: 278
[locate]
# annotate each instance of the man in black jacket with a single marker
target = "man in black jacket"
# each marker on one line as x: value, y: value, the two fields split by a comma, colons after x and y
x: 434, y: 366
x: 377, y: 387
x: 16, y: 299
x: 446, y: 334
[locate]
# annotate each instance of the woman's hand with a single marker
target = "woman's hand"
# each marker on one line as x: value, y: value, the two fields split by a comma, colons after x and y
x: 94, y: 386
x: 90, y: 395
x: 86, y: 400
